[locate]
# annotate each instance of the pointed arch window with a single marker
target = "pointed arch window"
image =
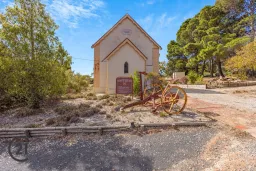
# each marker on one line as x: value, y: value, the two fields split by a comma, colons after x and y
x: 126, y: 66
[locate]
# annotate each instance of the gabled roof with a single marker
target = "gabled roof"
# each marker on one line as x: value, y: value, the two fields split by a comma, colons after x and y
x: 126, y: 41
x: 127, y: 16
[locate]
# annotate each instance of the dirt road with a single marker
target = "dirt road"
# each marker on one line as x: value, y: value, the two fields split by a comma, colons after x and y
x: 241, y: 98
x: 234, y: 106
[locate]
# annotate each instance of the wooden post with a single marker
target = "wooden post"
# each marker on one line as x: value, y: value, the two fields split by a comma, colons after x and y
x: 27, y: 133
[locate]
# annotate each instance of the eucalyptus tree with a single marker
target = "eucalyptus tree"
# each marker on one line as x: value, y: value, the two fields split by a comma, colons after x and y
x: 33, y: 62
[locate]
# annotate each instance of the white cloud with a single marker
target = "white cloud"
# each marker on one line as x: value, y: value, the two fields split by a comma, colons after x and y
x: 146, y: 22
x: 148, y: 2
x: 155, y: 24
x: 71, y: 12
x: 164, y: 21
x: 151, y: 2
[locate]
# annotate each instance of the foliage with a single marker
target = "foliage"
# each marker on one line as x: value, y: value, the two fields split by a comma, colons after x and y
x: 154, y: 79
x: 244, y: 59
x: 212, y: 36
x: 194, y: 78
x: 78, y: 82
x: 33, y: 63
x: 136, y: 83
x: 177, y: 60
x: 166, y: 69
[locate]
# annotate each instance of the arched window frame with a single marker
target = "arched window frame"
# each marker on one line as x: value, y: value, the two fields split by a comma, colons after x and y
x: 126, y: 68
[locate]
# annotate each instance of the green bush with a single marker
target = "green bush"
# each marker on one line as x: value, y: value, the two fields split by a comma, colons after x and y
x: 194, y: 78
x: 136, y: 83
x: 78, y: 83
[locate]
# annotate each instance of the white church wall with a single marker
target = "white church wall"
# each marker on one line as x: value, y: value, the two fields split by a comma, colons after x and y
x: 116, y: 65
x: 127, y: 30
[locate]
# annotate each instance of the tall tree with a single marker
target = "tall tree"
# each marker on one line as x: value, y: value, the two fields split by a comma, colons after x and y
x: 240, y: 14
x: 209, y: 37
x: 177, y: 59
x: 32, y: 57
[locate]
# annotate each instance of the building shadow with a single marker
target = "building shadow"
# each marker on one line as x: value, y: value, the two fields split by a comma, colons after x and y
x: 93, y: 154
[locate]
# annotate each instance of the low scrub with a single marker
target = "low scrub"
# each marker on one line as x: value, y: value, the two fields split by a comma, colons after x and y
x: 25, y: 112
x: 71, y: 114
x: 106, y: 96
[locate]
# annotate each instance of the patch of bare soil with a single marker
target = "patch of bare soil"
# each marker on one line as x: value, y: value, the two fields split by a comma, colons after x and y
x: 91, y: 110
x: 249, y: 91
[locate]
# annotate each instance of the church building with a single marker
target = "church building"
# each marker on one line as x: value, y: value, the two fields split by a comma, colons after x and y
x: 121, y: 51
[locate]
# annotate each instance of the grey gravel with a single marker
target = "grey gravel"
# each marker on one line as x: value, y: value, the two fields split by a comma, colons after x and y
x: 181, y: 149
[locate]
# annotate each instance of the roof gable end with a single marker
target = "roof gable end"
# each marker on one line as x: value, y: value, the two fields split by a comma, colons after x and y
x: 127, y: 16
x: 126, y: 41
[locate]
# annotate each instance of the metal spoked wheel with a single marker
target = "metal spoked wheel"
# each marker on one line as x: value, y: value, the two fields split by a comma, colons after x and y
x: 174, y: 100
x: 17, y: 149
x: 150, y: 91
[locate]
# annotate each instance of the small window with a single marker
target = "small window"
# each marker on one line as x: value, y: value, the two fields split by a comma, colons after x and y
x: 126, y: 68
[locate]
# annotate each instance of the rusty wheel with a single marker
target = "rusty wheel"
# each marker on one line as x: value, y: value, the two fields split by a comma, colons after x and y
x: 150, y: 91
x: 174, y: 100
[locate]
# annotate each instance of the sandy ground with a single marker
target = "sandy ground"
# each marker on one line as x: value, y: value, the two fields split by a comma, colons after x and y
x: 112, y: 115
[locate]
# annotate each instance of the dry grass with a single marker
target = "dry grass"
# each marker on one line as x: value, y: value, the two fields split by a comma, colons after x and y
x: 72, y: 113
x: 104, y: 97
x: 32, y: 126
x: 73, y: 96
x: 240, y: 91
x: 25, y: 112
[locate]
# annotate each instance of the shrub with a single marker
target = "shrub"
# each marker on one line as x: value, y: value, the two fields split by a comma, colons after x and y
x: 136, y: 83
x: 183, y: 80
x: 154, y: 78
x: 106, y: 96
x: 128, y: 99
x: 25, y: 111
x: 91, y: 94
x: 102, y: 112
x: 193, y: 78
x: 32, y: 126
x: 78, y: 82
x: 99, y: 106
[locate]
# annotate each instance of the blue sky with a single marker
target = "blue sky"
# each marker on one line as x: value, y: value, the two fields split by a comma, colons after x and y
x: 83, y: 22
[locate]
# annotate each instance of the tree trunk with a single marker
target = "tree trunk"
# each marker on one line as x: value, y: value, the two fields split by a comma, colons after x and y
x: 203, y: 68
x: 220, y: 69
x: 211, y: 67
x: 197, y: 68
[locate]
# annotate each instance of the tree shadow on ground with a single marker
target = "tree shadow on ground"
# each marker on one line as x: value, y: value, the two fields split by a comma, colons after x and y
x: 201, y: 91
x: 99, y: 154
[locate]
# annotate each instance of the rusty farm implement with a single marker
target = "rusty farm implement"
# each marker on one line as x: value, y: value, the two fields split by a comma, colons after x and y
x: 172, y: 99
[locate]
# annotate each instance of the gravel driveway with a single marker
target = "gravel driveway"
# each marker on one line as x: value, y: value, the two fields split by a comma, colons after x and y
x: 202, y: 148
x: 242, y: 98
